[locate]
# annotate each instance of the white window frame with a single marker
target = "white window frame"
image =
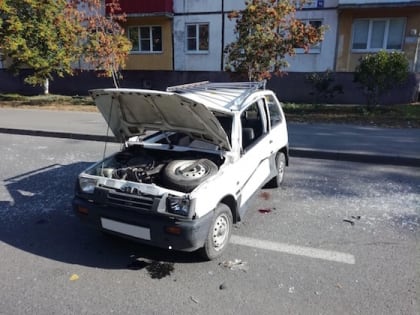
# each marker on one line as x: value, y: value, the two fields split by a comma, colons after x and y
x: 151, y: 51
x: 197, y: 30
x: 385, y: 38
x: 314, y: 49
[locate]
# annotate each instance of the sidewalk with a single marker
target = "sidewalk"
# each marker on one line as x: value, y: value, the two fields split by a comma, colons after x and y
x: 324, y: 141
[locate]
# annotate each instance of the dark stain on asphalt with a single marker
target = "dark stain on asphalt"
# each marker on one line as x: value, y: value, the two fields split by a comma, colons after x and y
x: 156, y: 269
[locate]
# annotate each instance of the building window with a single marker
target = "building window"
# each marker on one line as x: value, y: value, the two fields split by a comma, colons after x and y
x: 311, y: 4
x: 145, y: 39
x: 378, y: 34
x: 314, y: 49
x: 197, y: 37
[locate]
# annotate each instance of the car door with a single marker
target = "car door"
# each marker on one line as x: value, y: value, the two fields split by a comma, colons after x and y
x: 277, y: 123
x: 253, y: 167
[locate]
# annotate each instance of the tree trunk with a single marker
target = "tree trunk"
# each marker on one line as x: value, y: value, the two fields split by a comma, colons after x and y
x: 46, y: 87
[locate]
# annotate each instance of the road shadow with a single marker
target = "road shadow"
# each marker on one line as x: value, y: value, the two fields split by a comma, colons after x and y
x: 37, y: 217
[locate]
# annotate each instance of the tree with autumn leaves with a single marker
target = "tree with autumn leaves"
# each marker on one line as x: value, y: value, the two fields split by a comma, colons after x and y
x: 52, y: 36
x: 267, y: 31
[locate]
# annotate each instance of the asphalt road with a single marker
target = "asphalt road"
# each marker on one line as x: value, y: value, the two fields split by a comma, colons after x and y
x: 338, y: 238
x: 328, y: 141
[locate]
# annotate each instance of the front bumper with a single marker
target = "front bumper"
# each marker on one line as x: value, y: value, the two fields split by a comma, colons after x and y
x: 147, y: 228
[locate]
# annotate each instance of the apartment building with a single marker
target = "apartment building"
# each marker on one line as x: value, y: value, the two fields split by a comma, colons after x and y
x: 367, y: 26
x: 322, y: 56
x: 149, y: 28
x: 202, y: 29
x: 190, y: 35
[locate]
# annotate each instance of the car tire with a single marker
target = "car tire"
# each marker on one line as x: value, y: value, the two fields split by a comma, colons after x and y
x: 185, y: 175
x: 219, y: 233
x: 277, y: 180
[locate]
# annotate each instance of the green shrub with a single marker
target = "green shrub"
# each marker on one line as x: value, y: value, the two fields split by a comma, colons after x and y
x: 380, y: 72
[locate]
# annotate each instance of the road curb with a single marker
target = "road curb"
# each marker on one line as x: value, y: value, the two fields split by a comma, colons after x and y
x: 55, y: 134
x: 294, y: 152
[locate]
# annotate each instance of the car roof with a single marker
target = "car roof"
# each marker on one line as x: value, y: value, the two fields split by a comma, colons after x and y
x: 219, y: 96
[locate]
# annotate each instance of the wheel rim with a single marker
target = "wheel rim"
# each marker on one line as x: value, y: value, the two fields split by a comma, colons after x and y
x: 197, y: 171
x: 281, y: 164
x: 220, y: 231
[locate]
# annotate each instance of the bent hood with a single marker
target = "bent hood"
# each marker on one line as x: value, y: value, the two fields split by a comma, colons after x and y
x: 130, y: 112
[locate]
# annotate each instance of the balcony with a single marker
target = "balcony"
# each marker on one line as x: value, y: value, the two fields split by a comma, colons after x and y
x: 135, y: 8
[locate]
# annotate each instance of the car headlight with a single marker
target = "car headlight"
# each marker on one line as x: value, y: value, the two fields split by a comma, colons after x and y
x: 178, y: 205
x: 87, y: 185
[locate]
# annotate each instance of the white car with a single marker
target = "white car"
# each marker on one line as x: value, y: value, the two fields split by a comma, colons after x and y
x: 192, y: 158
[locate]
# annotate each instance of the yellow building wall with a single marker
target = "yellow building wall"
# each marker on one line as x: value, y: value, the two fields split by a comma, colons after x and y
x: 347, y: 60
x: 152, y: 61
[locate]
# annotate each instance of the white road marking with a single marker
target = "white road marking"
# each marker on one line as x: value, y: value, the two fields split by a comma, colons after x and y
x: 294, y: 250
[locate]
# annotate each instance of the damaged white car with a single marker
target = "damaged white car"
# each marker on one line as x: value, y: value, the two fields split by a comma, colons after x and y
x: 192, y: 158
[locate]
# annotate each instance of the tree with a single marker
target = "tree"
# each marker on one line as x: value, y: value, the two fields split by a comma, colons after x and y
x: 50, y: 36
x: 380, y: 72
x: 267, y: 31
x: 35, y: 35
x: 105, y: 48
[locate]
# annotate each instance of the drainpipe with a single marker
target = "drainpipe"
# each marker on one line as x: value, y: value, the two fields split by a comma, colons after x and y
x: 416, y: 65
x: 173, y: 41
x: 416, y: 54
x: 337, y: 38
x: 223, y: 35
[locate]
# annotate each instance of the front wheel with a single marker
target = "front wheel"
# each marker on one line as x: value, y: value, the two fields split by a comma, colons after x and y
x: 219, y: 233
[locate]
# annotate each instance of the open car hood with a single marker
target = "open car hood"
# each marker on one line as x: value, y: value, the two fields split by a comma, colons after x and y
x: 130, y: 112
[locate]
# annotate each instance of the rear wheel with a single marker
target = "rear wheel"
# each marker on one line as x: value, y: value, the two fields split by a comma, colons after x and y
x: 277, y: 180
x: 219, y: 233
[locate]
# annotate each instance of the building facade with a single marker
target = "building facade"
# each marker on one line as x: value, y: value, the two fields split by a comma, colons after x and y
x: 367, y: 26
x: 199, y: 36
x: 149, y: 28
x: 322, y: 56
x: 206, y: 23
x: 190, y: 35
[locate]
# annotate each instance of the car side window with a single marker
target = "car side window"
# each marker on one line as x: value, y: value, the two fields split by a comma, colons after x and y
x: 253, y: 124
x: 273, y: 110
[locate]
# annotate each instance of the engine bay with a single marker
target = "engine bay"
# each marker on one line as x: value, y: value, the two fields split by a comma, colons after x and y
x: 138, y: 164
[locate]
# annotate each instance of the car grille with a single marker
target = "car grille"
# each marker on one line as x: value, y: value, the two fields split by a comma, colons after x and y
x: 139, y: 202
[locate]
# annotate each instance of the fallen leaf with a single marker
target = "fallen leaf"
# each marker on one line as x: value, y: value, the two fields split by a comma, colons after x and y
x: 74, y: 277
x: 236, y: 264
